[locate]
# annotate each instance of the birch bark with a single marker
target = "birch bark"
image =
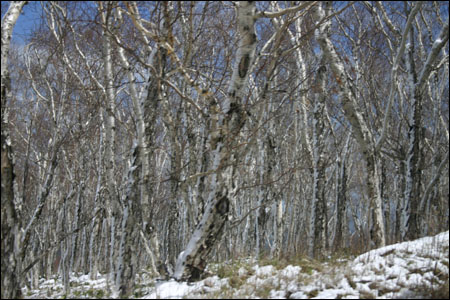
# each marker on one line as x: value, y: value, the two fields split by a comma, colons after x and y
x: 112, y: 203
x: 410, y: 214
x: 192, y: 261
x: 145, y: 111
x: 360, y: 128
x: 317, y: 236
x: 127, y: 261
x: 341, y: 205
x: 10, y: 282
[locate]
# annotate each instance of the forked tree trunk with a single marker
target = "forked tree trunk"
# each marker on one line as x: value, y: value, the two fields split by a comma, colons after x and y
x: 225, y: 131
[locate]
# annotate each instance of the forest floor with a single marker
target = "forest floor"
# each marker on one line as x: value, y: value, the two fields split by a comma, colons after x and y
x: 416, y: 269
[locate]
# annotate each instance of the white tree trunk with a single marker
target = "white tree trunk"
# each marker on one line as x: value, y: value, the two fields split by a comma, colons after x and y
x: 192, y: 260
x: 127, y: 261
x: 11, y: 264
x: 410, y: 212
x: 360, y: 129
x: 317, y: 236
x: 341, y: 205
x: 144, y: 108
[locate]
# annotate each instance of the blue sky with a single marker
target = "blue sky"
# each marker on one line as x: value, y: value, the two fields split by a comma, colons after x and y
x: 27, y: 22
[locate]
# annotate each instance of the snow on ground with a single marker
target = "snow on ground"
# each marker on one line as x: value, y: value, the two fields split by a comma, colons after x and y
x: 406, y: 270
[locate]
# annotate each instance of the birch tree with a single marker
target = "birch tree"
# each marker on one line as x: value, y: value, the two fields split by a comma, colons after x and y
x: 141, y: 129
x: 226, y: 128
x: 417, y: 82
x: 359, y: 126
x: 10, y: 208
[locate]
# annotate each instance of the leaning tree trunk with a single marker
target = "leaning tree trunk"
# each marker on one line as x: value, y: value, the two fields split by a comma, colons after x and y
x: 226, y: 128
x: 360, y: 129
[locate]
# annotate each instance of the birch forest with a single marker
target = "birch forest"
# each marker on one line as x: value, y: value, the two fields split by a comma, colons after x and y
x: 163, y: 136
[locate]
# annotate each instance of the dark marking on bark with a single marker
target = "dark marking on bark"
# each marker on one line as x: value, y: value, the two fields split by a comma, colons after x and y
x: 234, y: 108
x: 195, y: 273
x: 222, y: 206
x: 322, y: 70
x: 243, y: 65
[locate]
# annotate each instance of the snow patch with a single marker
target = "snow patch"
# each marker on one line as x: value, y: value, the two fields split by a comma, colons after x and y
x: 396, y: 271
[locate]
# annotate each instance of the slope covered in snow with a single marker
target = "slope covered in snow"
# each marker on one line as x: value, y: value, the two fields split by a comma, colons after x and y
x: 413, y: 269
